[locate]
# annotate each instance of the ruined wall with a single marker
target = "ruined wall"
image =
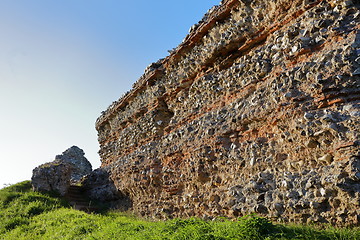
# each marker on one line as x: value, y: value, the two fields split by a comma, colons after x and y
x: 256, y: 111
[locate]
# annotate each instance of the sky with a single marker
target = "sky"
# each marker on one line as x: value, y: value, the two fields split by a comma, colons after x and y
x: 63, y: 62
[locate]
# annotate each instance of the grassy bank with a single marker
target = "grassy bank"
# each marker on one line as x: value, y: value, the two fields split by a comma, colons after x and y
x: 25, y: 214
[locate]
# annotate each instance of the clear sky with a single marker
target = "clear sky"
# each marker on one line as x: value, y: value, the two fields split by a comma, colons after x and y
x: 63, y: 62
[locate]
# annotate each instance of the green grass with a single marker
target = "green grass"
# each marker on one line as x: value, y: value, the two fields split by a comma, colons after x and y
x: 25, y: 214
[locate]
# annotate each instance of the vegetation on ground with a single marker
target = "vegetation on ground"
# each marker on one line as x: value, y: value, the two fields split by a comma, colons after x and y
x: 25, y: 214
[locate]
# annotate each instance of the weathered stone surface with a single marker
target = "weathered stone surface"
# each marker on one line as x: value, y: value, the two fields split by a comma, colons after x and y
x: 67, y: 168
x: 75, y: 157
x: 256, y: 111
x: 98, y: 186
x: 54, y: 176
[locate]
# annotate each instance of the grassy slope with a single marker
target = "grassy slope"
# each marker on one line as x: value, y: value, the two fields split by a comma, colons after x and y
x: 29, y: 215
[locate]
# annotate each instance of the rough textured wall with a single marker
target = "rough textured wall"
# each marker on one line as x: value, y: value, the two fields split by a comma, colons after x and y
x: 256, y: 111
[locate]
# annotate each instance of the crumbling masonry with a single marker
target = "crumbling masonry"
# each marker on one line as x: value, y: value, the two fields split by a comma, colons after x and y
x: 257, y: 110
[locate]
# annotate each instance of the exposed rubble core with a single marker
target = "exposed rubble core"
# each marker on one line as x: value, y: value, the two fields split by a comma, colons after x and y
x: 79, y: 165
x: 67, y: 169
x: 51, y: 177
x: 99, y: 187
x: 257, y: 110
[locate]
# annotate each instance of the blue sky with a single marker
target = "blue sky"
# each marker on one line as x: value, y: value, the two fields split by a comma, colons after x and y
x: 63, y: 62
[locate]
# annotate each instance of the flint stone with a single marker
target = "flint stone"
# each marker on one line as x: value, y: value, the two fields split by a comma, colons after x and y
x: 98, y: 186
x: 57, y: 176
x: 51, y: 177
x: 80, y: 166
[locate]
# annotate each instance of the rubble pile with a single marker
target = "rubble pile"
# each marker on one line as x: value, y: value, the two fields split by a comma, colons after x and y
x: 75, y: 158
x: 67, y: 169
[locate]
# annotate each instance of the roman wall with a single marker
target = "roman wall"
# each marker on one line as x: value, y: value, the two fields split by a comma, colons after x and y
x: 256, y: 111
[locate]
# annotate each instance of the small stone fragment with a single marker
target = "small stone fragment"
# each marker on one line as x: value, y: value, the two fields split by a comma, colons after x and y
x: 327, y: 158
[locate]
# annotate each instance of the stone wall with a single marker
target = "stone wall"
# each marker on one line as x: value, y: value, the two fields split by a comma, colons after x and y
x: 257, y: 110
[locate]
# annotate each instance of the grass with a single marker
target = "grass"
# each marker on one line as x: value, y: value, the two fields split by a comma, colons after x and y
x: 25, y: 214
